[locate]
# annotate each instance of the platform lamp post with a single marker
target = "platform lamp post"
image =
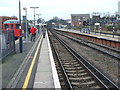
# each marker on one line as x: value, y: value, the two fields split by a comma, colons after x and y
x: 100, y: 28
x: 113, y: 31
x: 26, y: 23
x: 34, y: 13
x: 20, y: 38
x: 94, y: 29
x: 38, y: 15
x: 19, y: 12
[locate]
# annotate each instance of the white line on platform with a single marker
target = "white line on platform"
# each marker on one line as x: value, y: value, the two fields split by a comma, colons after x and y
x: 54, y: 71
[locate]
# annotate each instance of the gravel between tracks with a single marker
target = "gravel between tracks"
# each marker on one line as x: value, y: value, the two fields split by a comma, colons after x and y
x: 74, y: 69
x: 107, y: 64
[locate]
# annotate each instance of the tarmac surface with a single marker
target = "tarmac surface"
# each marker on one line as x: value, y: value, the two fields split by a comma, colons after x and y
x: 33, y: 68
x: 12, y: 62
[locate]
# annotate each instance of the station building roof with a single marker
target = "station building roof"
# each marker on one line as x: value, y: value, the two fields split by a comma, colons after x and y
x: 81, y: 15
x: 11, y: 21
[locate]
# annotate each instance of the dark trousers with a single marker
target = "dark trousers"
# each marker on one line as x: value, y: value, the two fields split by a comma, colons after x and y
x: 43, y: 35
x: 32, y: 37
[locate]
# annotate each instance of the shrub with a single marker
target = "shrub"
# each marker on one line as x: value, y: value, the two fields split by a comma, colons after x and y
x: 110, y: 28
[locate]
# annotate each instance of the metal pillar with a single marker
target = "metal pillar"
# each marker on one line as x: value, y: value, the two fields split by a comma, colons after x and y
x: 34, y: 13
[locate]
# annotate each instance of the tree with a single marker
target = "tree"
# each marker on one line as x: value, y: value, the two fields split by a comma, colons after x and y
x: 56, y: 20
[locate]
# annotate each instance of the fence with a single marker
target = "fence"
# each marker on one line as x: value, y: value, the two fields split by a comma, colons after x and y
x: 7, y: 43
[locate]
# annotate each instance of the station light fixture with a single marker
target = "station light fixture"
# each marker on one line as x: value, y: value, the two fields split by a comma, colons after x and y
x: 34, y: 13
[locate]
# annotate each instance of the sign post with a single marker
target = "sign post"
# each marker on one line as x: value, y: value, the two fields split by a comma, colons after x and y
x: 20, y: 38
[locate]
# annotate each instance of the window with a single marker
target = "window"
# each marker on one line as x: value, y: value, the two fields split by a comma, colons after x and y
x: 6, y: 26
x: 17, y: 26
x: 12, y: 26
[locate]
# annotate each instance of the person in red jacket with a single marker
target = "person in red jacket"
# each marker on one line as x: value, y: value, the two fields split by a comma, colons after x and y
x: 33, y: 33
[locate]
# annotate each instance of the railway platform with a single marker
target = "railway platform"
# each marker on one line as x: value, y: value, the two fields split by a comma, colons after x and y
x: 101, y: 39
x: 33, y: 68
x: 98, y: 35
x: 46, y: 74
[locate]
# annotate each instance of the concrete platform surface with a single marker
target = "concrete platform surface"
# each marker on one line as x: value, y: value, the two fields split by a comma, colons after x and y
x: 104, y: 36
x: 46, y: 72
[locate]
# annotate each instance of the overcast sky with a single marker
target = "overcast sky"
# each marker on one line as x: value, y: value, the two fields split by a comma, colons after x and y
x: 59, y: 8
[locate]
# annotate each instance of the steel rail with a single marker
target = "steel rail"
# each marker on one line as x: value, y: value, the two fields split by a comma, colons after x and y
x: 110, y: 48
x: 76, y: 40
x: 106, y: 82
x: 59, y: 60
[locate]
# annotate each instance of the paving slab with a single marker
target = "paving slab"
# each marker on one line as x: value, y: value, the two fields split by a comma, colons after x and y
x: 44, y: 77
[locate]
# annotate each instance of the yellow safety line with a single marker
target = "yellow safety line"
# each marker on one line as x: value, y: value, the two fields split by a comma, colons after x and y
x: 31, y: 67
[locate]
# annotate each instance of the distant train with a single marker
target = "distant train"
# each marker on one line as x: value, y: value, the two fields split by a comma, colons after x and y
x: 13, y: 25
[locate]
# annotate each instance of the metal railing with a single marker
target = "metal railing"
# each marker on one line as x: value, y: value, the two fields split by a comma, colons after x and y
x: 7, y: 43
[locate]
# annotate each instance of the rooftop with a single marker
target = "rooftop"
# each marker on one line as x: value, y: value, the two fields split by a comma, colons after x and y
x: 11, y: 21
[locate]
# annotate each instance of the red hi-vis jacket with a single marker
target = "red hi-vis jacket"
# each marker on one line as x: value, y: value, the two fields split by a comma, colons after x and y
x: 32, y: 30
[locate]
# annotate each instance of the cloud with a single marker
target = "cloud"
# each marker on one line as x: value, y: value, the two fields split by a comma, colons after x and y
x: 11, y: 11
x: 9, y: 3
x: 62, y: 8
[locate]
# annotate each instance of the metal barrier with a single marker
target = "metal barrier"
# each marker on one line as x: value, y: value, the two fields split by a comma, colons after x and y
x: 7, y: 43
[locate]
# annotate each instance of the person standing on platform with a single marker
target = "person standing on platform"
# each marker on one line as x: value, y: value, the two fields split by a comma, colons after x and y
x: 43, y: 31
x: 33, y: 33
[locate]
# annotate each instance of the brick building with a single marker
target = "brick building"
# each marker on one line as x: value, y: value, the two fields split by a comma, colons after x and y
x: 77, y: 19
x: 4, y: 18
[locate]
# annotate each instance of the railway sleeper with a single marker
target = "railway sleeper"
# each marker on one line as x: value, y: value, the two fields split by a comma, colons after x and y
x: 75, y: 72
x: 79, y: 74
x: 61, y: 78
x: 71, y: 64
x: 88, y: 85
x: 68, y: 68
x: 78, y: 67
x: 60, y: 74
x: 58, y: 68
x: 80, y: 78
x: 74, y: 68
x: 63, y: 83
x: 69, y: 61
x: 59, y: 71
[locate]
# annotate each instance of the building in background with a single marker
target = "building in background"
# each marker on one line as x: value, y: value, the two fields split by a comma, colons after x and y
x: 4, y: 18
x: 78, y: 19
x: 96, y: 18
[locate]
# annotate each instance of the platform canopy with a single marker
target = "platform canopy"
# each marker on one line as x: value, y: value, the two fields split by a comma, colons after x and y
x: 11, y: 21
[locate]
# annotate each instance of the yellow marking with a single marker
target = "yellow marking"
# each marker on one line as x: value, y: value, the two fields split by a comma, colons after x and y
x: 31, y: 67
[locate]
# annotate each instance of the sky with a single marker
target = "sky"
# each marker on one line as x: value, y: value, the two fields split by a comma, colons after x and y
x: 60, y: 8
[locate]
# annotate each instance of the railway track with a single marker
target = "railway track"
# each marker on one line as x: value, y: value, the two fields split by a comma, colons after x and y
x: 74, y: 71
x: 104, y: 49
